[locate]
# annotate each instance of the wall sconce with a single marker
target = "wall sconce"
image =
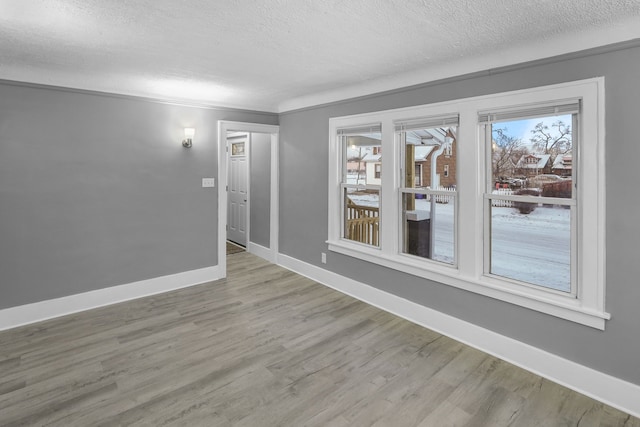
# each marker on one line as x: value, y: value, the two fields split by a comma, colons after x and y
x: 187, y: 142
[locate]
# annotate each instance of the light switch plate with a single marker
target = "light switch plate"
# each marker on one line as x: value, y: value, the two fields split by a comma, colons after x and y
x: 208, y: 182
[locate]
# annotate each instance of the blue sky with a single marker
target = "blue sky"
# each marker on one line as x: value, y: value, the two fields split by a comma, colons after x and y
x: 522, y: 128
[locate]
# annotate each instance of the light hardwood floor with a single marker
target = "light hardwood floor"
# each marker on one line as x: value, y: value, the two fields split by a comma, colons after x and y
x: 267, y: 347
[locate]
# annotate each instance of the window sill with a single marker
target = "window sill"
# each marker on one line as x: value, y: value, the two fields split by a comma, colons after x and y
x: 564, y: 307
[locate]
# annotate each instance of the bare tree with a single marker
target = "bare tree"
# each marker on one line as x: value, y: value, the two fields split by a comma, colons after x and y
x: 554, y: 141
x: 506, y: 150
x: 360, y: 157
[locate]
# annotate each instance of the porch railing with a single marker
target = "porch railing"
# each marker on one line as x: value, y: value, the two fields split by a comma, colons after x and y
x: 362, y: 223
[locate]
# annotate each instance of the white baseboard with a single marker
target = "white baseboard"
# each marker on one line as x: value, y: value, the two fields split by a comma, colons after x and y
x: 262, y: 252
x: 30, y: 313
x: 595, y: 384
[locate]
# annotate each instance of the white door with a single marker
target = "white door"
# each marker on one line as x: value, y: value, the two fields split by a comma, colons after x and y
x: 237, y: 195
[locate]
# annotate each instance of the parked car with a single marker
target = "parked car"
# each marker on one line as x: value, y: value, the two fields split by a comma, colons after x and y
x: 509, y: 182
x: 516, y: 182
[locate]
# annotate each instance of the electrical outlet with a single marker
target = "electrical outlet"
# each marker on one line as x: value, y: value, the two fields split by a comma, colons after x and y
x: 324, y: 258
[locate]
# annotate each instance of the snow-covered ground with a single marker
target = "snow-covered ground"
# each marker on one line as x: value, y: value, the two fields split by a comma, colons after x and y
x: 369, y: 199
x: 533, y: 248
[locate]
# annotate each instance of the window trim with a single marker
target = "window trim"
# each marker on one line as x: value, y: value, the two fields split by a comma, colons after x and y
x: 588, y: 307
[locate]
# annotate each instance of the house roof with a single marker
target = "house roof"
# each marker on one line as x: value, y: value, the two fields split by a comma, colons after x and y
x: 542, y: 160
x: 564, y: 161
x: 370, y: 157
x: 421, y: 152
x: 280, y: 56
x: 360, y: 152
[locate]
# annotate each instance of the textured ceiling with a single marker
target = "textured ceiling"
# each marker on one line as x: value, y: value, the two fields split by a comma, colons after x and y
x: 277, y: 55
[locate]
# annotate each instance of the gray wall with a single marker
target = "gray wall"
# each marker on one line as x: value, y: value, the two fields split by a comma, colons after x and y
x: 260, y: 188
x: 303, y: 178
x: 97, y: 191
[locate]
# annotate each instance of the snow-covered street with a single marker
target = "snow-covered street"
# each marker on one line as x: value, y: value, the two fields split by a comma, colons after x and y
x: 534, y: 248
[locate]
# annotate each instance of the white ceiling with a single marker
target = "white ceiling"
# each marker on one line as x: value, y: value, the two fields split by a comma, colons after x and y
x: 279, y: 55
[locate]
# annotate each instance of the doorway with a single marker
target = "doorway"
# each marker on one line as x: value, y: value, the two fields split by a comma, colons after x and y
x: 238, y: 144
x: 248, y: 170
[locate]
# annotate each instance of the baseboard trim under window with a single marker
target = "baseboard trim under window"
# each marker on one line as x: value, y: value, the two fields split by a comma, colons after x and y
x: 14, y: 317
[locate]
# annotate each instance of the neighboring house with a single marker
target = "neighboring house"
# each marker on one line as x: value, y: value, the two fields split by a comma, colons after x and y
x: 355, y: 165
x: 373, y: 162
x: 422, y: 171
x: 563, y: 165
x: 360, y: 150
x: 446, y: 165
x: 531, y: 165
x: 356, y: 173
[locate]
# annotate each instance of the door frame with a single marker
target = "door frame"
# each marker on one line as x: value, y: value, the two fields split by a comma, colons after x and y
x: 271, y: 254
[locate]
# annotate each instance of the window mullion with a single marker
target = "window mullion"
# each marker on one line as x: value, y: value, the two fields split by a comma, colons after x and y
x: 469, y: 212
x: 487, y: 144
x: 388, y: 196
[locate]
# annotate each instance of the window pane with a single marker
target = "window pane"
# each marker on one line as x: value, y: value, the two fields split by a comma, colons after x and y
x: 363, y: 167
x: 363, y: 159
x: 362, y: 216
x: 423, y: 149
x: 427, y: 219
x: 531, y: 242
x: 532, y: 247
x: 425, y: 234
x: 533, y: 154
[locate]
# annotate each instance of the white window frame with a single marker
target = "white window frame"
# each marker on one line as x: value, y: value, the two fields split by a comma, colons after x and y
x: 587, y: 306
x: 447, y: 121
x: 571, y: 203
